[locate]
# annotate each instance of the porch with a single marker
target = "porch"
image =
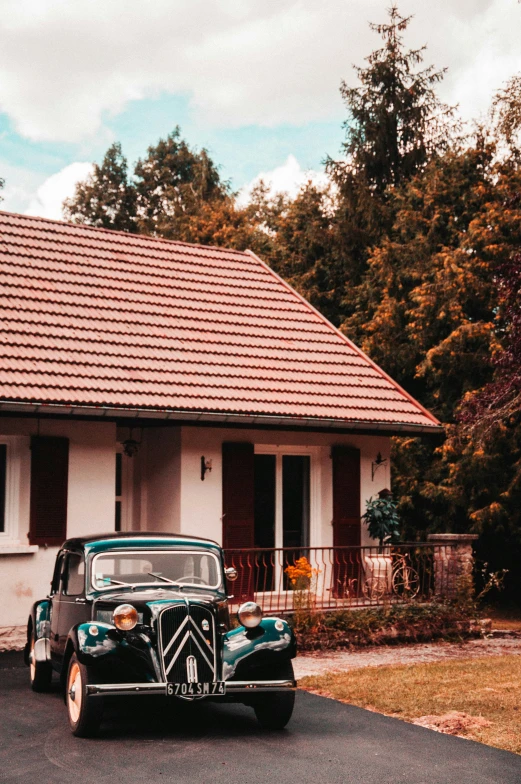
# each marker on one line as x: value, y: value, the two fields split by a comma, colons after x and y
x: 287, y: 579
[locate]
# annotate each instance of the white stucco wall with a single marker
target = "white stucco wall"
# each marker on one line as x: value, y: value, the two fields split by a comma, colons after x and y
x: 201, y: 501
x: 162, y: 501
x: 90, y: 506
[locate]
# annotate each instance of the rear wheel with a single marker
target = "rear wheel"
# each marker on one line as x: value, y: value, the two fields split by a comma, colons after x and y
x: 85, y: 711
x: 273, y: 711
x: 40, y: 672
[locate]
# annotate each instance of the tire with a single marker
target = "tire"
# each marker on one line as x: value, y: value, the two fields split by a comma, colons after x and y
x: 40, y: 673
x: 85, y: 711
x: 273, y: 711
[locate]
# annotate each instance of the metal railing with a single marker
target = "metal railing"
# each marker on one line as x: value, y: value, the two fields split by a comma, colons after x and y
x: 287, y: 579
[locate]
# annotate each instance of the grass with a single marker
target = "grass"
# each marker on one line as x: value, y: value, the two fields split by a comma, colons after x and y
x: 489, y: 688
x: 508, y: 618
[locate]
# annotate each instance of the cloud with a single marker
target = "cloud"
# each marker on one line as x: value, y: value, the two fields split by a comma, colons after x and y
x: 49, y: 197
x: 288, y: 178
x: 66, y: 66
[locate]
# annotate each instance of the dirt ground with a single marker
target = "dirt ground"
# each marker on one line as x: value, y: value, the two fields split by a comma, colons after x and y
x: 319, y: 663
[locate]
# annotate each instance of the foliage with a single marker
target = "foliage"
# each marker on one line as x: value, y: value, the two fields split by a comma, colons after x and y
x: 175, y: 192
x: 499, y: 400
x: 382, y: 625
x: 107, y: 198
x: 382, y: 519
x: 396, y: 122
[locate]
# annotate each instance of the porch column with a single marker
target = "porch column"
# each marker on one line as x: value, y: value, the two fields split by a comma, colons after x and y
x: 453, y: 562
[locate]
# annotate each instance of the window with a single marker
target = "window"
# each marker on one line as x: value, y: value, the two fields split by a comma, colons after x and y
x: 74, y: 582
x: 11, y: 449
x: 195, y: 568
x: 3, y: 477
x: 119, y: 489
x: 123, y: 478
x: 282, y: 499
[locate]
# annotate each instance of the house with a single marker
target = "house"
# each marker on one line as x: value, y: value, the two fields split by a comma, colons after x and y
x: 155, y: 385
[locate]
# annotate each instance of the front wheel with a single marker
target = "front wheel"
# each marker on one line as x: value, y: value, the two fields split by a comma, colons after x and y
x: 85, y: 711
x: 273, y: 711
x: 40, y: 672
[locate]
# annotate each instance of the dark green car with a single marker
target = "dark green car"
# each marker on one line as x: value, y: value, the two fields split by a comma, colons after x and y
x: 134, y: 614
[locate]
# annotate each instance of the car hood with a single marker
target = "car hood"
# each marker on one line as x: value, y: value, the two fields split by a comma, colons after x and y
x: 158, y: 597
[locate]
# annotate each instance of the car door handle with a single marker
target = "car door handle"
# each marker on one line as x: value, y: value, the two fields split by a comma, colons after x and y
x: 80, y: 601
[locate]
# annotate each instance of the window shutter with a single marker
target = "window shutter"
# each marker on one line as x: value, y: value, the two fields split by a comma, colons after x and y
x: 238, y: 495
x: 346, y: 496
x: 239, y: 515
x: 49, y: 485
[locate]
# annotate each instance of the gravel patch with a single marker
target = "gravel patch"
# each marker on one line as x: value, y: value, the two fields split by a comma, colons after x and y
x: 340, y: 661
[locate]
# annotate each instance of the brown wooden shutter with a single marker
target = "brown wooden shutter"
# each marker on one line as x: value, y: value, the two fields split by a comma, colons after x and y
x: 49, y: 485
x: 346, y: 496
x: 238, y: 495
x: 238, y: 515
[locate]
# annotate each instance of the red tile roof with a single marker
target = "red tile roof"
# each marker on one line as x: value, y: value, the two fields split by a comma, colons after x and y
x: 103, y: 319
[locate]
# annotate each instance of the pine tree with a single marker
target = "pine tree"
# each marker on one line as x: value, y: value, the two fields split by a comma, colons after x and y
x: 396, y: 123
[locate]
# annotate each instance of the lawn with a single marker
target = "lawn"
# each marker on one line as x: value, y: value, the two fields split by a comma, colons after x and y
x: 504, y: 617
x: 487, y: 690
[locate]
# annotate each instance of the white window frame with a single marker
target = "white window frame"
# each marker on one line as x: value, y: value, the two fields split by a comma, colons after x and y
x: 11, y: 533
x: 313, y: 452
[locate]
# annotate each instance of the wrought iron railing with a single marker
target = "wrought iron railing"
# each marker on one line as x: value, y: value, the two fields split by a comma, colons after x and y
x: 287, y: 578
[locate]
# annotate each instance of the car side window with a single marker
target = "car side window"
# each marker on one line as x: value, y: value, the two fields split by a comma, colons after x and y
x: 74, y: 578
x: 56, y: 578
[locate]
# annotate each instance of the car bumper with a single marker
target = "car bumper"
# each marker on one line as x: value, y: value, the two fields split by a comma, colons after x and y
x: 232, y: 687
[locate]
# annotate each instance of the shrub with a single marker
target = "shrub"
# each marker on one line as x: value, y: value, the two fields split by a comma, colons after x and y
x: 382, y: 625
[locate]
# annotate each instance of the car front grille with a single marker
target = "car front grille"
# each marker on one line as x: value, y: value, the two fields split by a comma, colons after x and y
x: 182, y: 635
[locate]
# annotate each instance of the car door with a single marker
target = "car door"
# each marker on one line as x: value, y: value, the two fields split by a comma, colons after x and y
x: 55, y: 606
x: 73, y: 606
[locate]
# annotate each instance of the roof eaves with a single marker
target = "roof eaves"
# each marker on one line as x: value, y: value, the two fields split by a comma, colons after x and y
x: 251, y: 420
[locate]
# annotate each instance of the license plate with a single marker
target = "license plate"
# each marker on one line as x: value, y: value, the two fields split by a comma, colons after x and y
x: 195, y: 689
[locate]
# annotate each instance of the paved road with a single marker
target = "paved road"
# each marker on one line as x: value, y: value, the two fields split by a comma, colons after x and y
x: 151, y: 742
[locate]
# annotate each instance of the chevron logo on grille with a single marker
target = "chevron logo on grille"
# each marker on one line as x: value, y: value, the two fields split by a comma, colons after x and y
x: 192, y: 632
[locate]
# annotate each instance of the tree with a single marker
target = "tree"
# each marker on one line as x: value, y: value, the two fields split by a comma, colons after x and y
x: 506, y: 116
x: 396, y: 123
x: 173, y: 184
x: 2, y: 183
x: 106, y: 198
x: 499, y: 401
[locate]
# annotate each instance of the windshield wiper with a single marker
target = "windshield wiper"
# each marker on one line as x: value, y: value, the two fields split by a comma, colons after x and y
x: 165, y: 579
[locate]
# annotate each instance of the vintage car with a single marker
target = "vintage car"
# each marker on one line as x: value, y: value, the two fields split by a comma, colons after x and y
x: 144, y: 613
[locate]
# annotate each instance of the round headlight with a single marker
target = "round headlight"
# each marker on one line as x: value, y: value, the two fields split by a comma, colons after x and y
x: 125, y: 617
x: 250, y: 614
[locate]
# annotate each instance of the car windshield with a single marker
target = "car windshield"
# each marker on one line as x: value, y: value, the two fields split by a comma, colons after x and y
x: 178, y: 567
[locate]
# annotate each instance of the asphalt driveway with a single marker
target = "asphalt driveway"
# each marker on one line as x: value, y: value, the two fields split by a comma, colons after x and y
x: 148, y: 740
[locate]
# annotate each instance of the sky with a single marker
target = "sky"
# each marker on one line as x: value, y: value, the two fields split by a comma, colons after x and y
x: 256, y: 82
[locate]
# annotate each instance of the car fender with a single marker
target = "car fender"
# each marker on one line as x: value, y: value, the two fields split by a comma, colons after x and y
x: 273, y: 638
x: 93, y: 641
x: 40, y: 623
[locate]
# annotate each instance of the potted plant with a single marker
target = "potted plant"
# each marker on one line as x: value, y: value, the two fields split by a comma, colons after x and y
x: 383, y: 525
x: 381, y: 517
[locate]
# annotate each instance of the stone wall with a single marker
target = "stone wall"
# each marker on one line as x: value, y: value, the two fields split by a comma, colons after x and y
x: 453, y: 563
x: 12, y: 638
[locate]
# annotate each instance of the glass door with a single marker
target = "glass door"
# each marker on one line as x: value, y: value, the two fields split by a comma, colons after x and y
x: 282, y: 515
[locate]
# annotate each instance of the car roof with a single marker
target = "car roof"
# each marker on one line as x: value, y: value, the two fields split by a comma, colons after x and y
x: 124, y: 539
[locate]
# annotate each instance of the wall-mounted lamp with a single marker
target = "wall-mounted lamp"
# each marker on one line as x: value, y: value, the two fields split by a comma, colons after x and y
x: 206, y: 465
x: 376, y: 464
x: 130, y: 445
